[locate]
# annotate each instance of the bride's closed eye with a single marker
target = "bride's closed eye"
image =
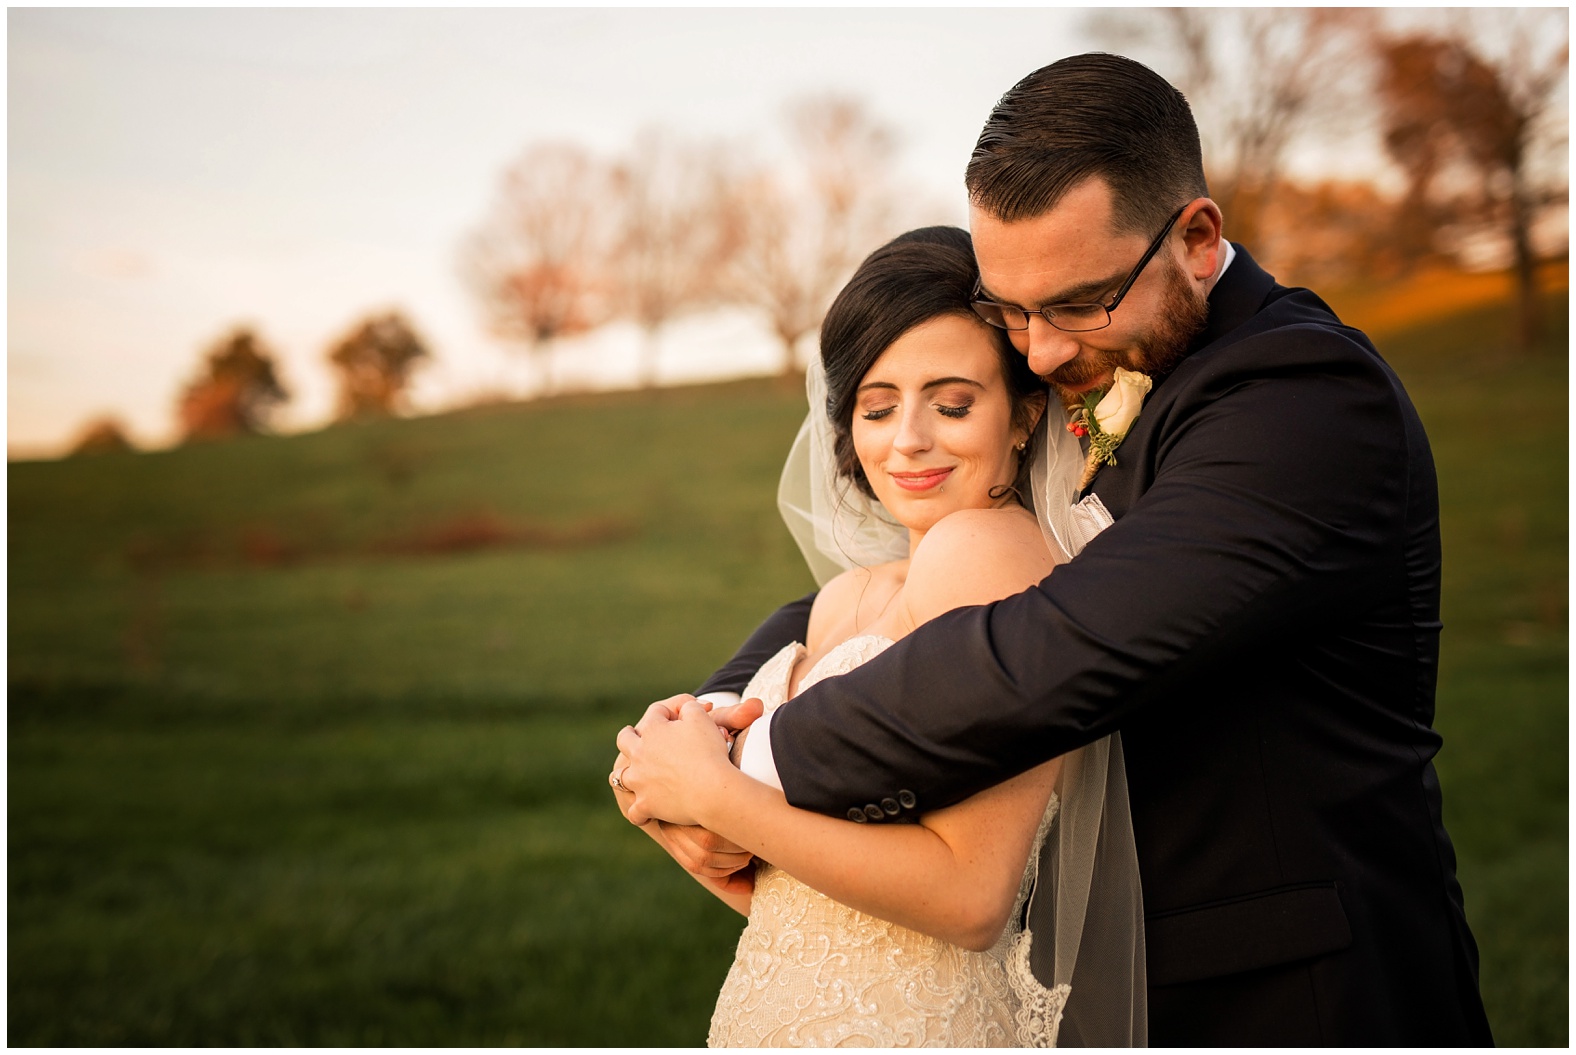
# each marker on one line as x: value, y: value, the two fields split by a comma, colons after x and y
x: 946, y: 410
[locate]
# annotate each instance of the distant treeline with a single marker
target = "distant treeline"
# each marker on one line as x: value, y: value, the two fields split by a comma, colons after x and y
x: 1467, y: 107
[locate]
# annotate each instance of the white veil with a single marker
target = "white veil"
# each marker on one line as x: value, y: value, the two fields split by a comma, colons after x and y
x: 1089, y: 864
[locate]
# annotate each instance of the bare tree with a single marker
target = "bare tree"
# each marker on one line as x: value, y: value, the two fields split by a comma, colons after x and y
x: 374, y: 363
x: 801, y: 232
x: 674, y: 238
x: 538, y: 262
x: 1258, y: 79
x: 1470, y: 130
x: 236, y: 391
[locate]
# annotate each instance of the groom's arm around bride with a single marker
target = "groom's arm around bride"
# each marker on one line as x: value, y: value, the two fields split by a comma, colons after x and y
x: 1260, y: 622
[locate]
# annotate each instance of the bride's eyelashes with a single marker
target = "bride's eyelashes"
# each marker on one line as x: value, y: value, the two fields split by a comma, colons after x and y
x: 946, y: 410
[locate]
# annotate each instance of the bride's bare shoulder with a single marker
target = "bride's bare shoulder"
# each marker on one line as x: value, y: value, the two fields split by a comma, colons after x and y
x: 976, y: 556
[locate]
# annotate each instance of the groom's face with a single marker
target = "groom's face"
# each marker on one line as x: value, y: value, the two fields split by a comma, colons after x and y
x: 1075, y: 252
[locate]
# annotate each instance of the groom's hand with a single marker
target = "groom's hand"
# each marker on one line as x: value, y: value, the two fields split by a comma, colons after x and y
x: 738, y: 718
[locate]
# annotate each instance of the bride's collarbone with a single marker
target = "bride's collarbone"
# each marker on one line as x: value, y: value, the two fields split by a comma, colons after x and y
x: 858, y: 603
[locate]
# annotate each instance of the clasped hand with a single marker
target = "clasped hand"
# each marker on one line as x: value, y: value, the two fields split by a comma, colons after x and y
x: 675, y: 755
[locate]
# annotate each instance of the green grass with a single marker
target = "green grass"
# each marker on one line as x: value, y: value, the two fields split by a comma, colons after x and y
x: 1498, y: 423
x: 304, y: 750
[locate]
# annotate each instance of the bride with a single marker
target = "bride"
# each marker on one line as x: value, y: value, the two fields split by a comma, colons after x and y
x: 912, y: 481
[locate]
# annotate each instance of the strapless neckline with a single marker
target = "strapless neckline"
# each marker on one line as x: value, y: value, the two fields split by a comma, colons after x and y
x: 772, y: 681
x: 855, y: 645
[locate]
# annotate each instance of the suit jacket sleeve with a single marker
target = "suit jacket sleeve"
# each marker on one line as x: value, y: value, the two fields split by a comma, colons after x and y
x: 1276, y: 477
x: 783, y: 627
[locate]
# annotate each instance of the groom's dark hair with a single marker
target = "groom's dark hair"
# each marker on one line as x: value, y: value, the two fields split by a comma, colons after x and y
x: 1089, y: 115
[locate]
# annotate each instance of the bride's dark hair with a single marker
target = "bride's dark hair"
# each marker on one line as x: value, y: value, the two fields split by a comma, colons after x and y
x: 916, y: 277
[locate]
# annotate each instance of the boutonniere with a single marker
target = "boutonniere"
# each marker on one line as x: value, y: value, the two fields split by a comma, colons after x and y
x: 1106, y: 416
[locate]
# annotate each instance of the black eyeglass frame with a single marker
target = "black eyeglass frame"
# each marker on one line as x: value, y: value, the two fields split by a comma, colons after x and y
x: 1048, y: 312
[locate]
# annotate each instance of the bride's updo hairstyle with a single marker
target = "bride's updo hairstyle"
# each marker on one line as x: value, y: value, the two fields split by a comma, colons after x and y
x: 916, y: 277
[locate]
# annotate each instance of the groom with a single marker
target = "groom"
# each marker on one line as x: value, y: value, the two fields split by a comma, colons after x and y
x: 1260, y: 622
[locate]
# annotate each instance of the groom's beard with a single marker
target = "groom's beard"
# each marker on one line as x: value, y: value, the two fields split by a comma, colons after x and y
x: 1181, y: 317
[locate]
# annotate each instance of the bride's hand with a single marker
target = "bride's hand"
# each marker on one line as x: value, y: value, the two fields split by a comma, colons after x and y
x: 621, y: 794
x: 698, y: 851
x: 701, y: 852
x: 674, y: 760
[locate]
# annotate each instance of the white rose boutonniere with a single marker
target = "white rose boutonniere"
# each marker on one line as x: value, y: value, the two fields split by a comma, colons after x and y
x: 1106, y: 417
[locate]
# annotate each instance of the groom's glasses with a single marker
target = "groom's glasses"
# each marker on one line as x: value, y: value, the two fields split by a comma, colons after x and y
x: 1074, y: 318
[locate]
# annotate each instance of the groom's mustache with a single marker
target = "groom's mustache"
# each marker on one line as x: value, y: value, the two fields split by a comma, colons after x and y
x: 1079, y: 372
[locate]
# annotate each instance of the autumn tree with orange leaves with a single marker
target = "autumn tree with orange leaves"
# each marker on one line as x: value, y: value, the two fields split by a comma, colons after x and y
x: 236, y: 391
x: 374, y: 363
x: 102, y: 435
x: 1470, y: 129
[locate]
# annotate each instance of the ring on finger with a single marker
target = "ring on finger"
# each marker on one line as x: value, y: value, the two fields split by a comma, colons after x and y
x: 617, y: 779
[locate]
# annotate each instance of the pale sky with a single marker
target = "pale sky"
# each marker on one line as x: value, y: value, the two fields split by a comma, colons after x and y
x: 175, y: 172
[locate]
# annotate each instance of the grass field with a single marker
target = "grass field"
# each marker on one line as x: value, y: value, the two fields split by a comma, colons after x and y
x: 308, y: 737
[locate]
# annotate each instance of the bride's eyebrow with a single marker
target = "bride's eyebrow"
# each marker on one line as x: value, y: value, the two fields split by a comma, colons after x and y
x: 952, y: 381
x: 926, y: 387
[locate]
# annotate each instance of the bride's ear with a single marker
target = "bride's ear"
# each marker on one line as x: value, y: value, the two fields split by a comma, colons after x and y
x: 1033, y: 412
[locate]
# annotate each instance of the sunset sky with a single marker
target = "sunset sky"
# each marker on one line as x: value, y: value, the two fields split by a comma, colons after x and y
x: 175, y: 172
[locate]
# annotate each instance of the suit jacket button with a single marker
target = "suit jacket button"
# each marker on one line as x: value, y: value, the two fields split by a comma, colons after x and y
x: 873, y: 812
x: 907, y: 798
x: 890, y: 806
x: 856, y: 814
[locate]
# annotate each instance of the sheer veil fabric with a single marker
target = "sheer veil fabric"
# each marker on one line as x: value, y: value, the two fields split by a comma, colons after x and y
x: 1089, y: 866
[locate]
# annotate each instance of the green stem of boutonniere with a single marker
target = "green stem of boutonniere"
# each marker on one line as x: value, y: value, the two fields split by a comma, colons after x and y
x: 1102, y: 445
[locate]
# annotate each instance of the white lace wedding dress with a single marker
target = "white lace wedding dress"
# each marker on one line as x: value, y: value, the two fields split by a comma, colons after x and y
x: 812, y: 972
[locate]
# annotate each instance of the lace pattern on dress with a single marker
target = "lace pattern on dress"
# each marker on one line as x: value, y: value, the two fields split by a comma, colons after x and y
x: 1039, y: 1012
x: 812, y: 972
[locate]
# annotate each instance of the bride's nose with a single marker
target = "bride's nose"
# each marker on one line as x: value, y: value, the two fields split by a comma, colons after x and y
x: 913, y: 433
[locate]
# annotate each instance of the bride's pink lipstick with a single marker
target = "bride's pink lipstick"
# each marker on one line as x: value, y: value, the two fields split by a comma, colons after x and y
x: 921, y: 481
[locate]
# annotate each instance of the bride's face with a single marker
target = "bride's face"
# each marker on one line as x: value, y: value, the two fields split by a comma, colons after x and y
x: 933, y: 422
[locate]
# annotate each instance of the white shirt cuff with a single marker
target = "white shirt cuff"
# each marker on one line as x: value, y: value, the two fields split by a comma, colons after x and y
x: 756, y: 758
